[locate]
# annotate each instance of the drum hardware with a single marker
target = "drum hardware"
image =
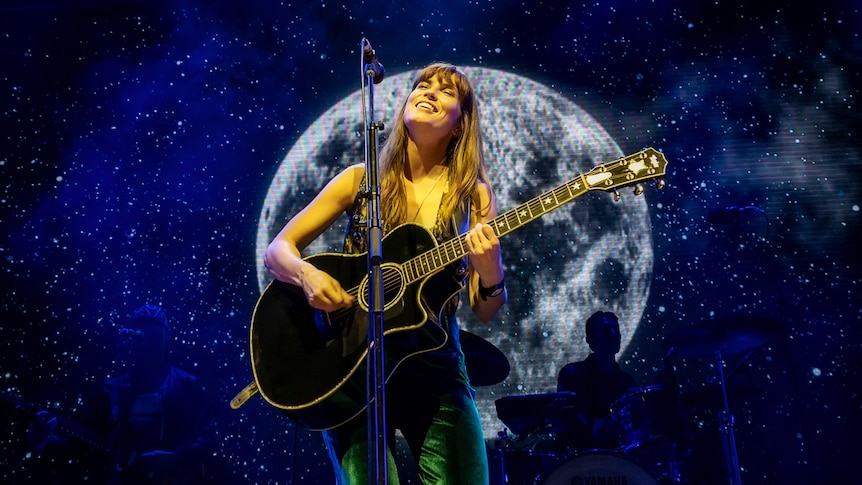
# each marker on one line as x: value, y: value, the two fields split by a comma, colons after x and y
x: 726, y: 426
x: 719, y: 338
x: 531, y: 453
x: 528, y: 467
x: 535, y: 419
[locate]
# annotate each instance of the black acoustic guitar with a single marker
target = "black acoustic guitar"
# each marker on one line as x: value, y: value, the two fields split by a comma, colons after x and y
x: 312, y: 364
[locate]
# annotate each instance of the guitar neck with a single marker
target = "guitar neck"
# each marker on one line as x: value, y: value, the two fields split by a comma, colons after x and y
x: 80, y: 434
x: 643, y: 165
x: 65, y: 428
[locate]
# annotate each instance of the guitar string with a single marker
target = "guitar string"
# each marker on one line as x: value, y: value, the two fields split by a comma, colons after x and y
x: 390, y: 278
x: 460, y: 241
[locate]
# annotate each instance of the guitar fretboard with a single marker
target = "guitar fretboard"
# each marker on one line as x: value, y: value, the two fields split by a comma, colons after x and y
x: 643, y: 165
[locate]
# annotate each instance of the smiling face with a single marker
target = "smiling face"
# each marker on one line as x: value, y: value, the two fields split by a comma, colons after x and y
x: 433, y: 109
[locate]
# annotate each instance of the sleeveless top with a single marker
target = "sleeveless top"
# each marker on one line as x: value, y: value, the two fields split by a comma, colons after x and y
x: 441, y: 370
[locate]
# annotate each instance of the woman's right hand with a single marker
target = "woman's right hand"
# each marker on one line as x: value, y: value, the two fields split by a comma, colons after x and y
x: 322, y: 291
x: 41, y: 432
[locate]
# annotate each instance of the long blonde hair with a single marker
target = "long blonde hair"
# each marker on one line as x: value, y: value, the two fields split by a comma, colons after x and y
x: 463, y: 155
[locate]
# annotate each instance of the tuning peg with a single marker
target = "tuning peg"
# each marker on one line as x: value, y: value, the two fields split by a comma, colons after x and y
x: 616, y: 196
x: 639, y: 189
x: 659, y: 184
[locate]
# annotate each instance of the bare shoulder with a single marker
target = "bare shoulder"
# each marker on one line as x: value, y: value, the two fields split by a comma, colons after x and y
x: 358, y: 168
x: 354, y: 173
x: 343, y: 186
x: 329, y: 204
x: 485, y: 207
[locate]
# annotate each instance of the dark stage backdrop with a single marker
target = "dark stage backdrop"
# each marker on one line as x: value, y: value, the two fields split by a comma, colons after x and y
x: 150, y: 149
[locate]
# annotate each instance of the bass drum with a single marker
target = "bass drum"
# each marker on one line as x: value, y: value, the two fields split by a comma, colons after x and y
x: 600, y: 467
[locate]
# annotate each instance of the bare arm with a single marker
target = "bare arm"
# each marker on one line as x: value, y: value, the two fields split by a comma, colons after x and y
x: 486, y: 262
x: 283, y: 256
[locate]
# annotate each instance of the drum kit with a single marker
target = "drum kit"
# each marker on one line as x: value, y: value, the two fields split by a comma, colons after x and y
x: 654, y: 441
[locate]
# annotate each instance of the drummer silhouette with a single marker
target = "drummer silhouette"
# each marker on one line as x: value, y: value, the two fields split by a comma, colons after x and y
x: 598, y: 381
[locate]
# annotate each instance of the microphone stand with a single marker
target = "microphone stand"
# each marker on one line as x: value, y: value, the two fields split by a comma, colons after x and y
x: 785, y: 314
x: 118, y: 397
x: 377, y: 462
x: 726, y: 428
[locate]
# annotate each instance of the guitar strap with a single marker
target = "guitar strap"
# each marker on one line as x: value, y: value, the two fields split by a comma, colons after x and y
x: 357, y: 225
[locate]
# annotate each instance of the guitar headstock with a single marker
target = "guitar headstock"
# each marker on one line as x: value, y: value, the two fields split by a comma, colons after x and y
x: 647, y: 164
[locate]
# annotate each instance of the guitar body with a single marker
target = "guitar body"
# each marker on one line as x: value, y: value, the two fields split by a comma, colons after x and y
x: 312, y: 365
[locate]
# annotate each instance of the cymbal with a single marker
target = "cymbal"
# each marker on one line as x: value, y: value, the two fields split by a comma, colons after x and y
x: 729, y: 335
x: 486, y: 364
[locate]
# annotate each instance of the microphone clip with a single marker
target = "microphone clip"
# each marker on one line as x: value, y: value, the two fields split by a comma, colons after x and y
x: 371, y: 65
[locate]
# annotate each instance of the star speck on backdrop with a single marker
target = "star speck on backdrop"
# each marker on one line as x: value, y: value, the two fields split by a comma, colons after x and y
x: 140, y: 139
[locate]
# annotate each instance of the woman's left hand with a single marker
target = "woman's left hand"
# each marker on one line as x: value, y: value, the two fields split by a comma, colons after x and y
x: 484, y: 247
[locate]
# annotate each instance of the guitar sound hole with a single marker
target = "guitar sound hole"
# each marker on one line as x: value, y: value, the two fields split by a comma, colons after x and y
x: 393, y: 288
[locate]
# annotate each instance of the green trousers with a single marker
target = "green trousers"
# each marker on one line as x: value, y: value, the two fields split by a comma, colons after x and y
x: 443, y: 432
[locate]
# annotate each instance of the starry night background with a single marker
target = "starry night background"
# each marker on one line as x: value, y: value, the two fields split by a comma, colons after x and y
x: 139, y: 139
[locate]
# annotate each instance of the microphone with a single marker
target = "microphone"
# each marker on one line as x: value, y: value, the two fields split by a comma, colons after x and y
x: 369, y: 58
x: 728, y: 215
x: 131, y: 332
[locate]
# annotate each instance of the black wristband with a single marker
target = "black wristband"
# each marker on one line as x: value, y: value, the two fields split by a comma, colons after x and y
x: 494, y: 290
